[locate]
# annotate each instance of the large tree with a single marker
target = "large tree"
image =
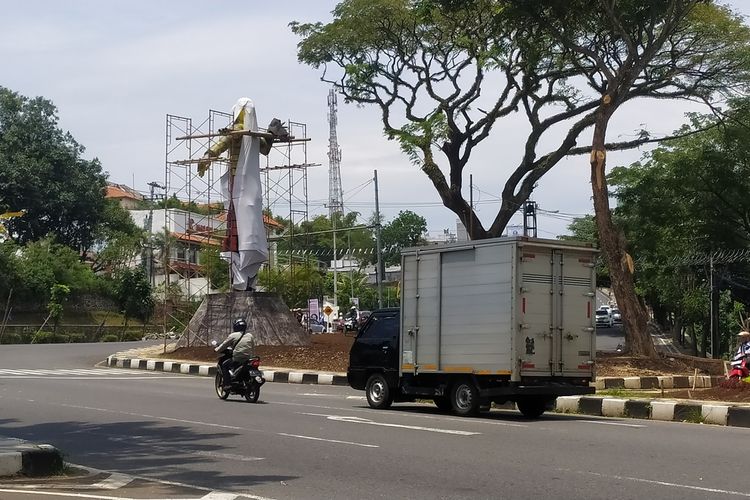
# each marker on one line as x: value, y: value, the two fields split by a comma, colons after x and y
x: 444, y: 72
x: 43, y: 173
x: 671, y: 49
x: 405, y: 230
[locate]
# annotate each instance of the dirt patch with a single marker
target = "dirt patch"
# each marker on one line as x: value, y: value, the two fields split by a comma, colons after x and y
x: 326, y: 352
x: 613, y: 365
x: 738, y: 393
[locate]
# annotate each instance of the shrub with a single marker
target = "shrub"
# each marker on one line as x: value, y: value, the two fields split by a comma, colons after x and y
x: 130, y: 336
x: 110, y: 337
x: 49, y: 338
x: 76, y: 338
x: 11, y: 338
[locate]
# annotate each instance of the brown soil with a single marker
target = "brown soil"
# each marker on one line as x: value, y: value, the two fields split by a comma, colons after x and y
x: 326, y: 352
x: 330, y: 352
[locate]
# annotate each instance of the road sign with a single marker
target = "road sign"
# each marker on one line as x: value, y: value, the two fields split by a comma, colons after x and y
x: 328, y: 310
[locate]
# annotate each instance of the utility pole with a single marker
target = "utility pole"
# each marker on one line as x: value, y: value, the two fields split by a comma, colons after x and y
x: 149, y: 227
x: 378, y: 225
x: 335, y: 263
x: 714, y: 319
x: 471, y: 206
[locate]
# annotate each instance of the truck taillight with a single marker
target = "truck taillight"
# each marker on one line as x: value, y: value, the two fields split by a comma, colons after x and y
x: 528, y: 365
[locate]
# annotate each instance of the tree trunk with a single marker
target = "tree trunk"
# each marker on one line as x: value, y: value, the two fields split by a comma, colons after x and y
x: 634, y: 316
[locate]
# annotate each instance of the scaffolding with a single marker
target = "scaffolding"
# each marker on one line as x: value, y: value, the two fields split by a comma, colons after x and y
x: 194, y: 213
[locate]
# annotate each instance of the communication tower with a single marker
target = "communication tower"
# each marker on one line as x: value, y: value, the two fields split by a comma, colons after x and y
x: 335, y: 193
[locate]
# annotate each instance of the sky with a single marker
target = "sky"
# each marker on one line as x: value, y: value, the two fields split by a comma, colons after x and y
x: 116, y: 69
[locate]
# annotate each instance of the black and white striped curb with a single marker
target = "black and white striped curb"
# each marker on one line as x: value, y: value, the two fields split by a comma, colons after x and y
x: 660, y: 382
x: 670, y: 411
x: 283, y: 376
x: 29, y: 459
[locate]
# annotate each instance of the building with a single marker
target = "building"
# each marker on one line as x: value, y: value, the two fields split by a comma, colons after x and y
x: 191, y: 233
x: 129, y: 198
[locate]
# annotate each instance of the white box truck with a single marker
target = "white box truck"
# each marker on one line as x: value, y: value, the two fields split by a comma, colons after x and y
x: 496, y: 320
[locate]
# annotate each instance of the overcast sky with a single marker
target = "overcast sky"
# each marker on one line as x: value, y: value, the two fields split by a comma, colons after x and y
x: 115, y: 69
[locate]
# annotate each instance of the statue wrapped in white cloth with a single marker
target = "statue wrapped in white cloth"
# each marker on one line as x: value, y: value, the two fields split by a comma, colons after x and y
x: 245, y: 245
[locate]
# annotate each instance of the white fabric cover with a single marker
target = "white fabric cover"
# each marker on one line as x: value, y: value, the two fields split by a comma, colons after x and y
x: 247, y: 196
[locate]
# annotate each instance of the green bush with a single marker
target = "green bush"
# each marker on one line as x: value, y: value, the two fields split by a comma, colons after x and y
x: 110, y: 337
x: 11, y: 338
x: 130, y: 336
x: 76, y: 338
x: 49, y: 338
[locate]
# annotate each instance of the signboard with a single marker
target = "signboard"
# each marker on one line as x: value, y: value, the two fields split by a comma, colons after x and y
x: 313, y: 308
x: 327, y: 310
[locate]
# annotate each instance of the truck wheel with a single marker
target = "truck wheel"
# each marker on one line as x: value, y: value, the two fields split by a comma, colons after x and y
x: 465, y: 398
x: 533, y: 407
x: 378, y: 393
x: 442, y: 402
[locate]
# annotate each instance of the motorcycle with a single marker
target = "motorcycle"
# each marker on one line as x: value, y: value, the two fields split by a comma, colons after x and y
x: 246, y: 379
x: 740, y: 370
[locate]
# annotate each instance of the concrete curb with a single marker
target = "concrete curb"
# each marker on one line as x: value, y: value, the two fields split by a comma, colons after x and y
x: 30, y: 460
x: 670, y: 411
x: 661, y: 382
x: 187, y: 368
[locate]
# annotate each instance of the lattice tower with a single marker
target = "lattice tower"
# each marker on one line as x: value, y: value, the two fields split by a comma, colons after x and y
x: 335, y: 193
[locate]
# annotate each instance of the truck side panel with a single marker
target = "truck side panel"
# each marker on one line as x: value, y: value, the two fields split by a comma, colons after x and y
x: 457, y: 310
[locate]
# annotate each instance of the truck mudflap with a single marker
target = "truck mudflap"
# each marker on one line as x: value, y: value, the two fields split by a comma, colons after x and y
x: 536, y: 390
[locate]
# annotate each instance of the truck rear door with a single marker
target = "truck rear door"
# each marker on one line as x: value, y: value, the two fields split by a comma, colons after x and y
x: 556, y: 334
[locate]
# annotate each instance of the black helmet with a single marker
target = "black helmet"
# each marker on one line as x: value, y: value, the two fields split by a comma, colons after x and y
x: 239, y: 325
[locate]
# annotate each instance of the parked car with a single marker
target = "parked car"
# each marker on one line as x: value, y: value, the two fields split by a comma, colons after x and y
x: 616, y: 317
x: 316, y: 327
x: 604, y: 318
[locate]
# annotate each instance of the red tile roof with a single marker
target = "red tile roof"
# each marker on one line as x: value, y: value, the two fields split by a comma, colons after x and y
x: 119, y: 191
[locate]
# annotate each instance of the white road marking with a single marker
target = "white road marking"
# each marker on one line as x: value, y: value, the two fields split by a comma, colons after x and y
x: 359, y: 420
x: 316, y: 394
x: 113, y: 482
x: 610, y: 423
x: 661, y: 483
x: 143, y: 415
x: 404, y: 414
x: 364, y: 445
x: 360, y: 398
x: 219, y: 496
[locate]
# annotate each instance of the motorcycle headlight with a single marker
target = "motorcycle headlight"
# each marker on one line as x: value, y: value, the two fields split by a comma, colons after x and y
x: 258, y: 379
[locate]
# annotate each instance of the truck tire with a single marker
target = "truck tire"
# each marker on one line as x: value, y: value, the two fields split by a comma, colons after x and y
x: 533, y: 407
x: 465, y: 398
x: 378, y: 393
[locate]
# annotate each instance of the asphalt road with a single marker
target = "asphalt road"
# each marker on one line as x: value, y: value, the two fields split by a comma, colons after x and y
x: 323, y: 442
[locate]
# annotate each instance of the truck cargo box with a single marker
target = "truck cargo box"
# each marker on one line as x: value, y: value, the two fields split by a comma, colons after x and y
x: 516, y: 307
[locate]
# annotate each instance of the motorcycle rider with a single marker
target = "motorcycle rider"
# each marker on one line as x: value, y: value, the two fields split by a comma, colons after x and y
x: 743, y: 349
x: 353, y: 317
x: 243, y: 345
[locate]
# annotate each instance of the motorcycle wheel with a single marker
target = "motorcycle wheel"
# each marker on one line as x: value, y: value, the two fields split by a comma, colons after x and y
x: 252, y: 392
x: 219, y: 386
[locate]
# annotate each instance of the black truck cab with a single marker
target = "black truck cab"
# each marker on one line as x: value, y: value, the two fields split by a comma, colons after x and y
x: 376, y: 350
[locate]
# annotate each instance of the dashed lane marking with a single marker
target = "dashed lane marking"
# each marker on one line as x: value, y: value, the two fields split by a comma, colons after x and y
x: 365, y: 421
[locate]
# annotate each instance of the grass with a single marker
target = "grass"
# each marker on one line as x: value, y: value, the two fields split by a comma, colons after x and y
x: 628, y: 393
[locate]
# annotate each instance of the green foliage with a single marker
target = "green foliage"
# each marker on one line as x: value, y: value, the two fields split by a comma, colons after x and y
x: 683, y: 201
x: 584, y: 229
x: 295, y: 284
x: 301, y: 244
x: 215, y: 268
x: 118, y: 239
x: 110, y: 337
x: 407, y: 229
x: 42, y: 172
x: 133, y: 294
x: 49, y: 338
x: 39, y: 266
x: 58, y: 295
